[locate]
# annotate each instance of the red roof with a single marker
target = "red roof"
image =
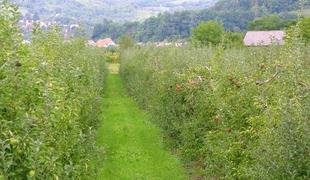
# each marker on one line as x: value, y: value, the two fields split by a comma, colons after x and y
x: 264, y: 38
x: 105, y: 43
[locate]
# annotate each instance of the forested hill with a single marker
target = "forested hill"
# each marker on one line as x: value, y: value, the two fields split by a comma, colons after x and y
x: 96, y: 10
x: 234, y: 14
x: 264, y: 6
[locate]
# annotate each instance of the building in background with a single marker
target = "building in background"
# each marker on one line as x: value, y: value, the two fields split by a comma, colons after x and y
x: 104, y: 43
x: 264, y: 38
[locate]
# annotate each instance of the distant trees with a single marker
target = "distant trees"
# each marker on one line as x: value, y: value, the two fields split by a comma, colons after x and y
x: 270, y: 6
x: 233, y: 39
x: 234, y: 15
x: 213, y: 33
x: 126, y: 42
x: 277, y: 6
x: 208, y: 33
x: 107, y: 29
x: 272, y: 22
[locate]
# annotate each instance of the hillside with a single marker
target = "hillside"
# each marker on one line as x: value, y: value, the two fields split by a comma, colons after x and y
x: 96, y: 10
x: 235, y: 16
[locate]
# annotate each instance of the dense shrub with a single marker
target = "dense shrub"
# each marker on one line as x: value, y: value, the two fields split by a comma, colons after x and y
x: 208, y: 33
x: 49, y: 102
x: 238, y: 113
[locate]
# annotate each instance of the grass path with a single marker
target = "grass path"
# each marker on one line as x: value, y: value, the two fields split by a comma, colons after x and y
x: 134, y: 147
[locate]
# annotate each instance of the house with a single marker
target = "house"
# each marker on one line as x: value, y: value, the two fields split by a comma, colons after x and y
x: 104, y: 43
x: 264, y: 38
x: 91, y: 43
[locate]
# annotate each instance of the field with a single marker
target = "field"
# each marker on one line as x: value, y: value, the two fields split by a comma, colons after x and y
x: 229, y: 113
x: 213, y: 112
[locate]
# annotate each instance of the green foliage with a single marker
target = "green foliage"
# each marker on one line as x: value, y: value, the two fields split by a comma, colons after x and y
x: 112, y: 56
x: 233, y: 39
x: 237, y: 113
x: 305, y: 29
x: 284, y: 5
x: 126, y: 42
x: 208, y: 33
x: 273, y: 22
x: 106, y: 29
x: 212, y: 33
x: 49, y: 99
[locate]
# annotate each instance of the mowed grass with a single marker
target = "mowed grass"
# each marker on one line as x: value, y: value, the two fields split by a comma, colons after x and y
x: 113, y: 68
x: 134, y: 146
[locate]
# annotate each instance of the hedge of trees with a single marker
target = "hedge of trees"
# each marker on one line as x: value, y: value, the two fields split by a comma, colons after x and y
x: 229, y: 113
x: 49, y: 103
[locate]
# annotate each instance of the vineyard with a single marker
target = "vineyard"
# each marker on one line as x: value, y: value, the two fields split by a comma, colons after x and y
x: 229, y: 113
x: 49, y: 103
